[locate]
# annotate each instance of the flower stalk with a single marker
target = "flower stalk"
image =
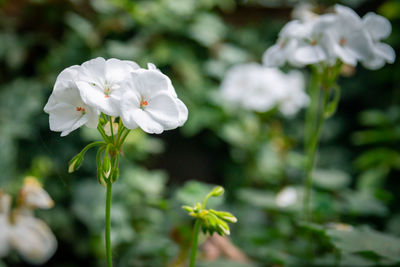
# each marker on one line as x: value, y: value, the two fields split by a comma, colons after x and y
x: 325, y: 96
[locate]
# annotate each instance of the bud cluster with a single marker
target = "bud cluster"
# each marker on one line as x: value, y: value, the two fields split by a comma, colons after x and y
x: 212, y: 220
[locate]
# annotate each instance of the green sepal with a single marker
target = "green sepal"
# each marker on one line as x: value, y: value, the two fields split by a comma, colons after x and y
x: 75, y: 163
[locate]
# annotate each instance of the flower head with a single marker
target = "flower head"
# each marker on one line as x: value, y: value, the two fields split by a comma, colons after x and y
x: 258, y: 88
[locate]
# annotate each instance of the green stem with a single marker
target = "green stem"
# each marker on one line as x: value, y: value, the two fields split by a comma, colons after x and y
x: 108, y: 224
x: 312, y: 142
x: 195, y: 239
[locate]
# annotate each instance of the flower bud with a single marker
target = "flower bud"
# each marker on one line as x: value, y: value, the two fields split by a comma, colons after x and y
x: 115, y: 175
x: 187, y: 209
x: 75, y: 163
x: 217, y: 191
x: 226, y: 216
x: 106, y: 166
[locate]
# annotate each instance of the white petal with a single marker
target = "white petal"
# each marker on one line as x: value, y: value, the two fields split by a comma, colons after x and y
x: 63, y: 117
x: 347, y: 13
x: 164, y: 110
x: 149, y: 82
x: 146, y: 122
x: 32, y: 195
x: 33, y: 239
x: 117, y: 70
x: 93, y: 71
x: 386, y: 52
x: 183, y: 112
x: 5, y: 202
x: 310, y: 54
x: 129, y: 103
x: 274, y: 56
x: 379, y: 27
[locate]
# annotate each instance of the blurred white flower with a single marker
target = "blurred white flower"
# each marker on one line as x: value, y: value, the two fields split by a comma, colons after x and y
x: 326, y: 38
x: 19, y: 230
x: 99, y: 82
x: 288, y: 196
x: 66, y: 109
x: 149, y: 103
x: 258, y: 88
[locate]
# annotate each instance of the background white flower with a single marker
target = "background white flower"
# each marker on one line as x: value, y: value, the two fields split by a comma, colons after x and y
x: 19, y: 229
x: 326, y: 38
x: 67, y: 110
x: 255, y: 87
x: 149, y: 103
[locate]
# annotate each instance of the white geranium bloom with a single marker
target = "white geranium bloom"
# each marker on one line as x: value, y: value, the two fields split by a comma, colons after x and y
x: 288, y: 196
x: 346, y: 37
x: 148, y: 103
x: 99, y: 82
x: 323, y: 39
x: 258, y: 88
x: 66, y: 109
x: 32, y: 195
x: 378, y: 28
x: 253, y: 87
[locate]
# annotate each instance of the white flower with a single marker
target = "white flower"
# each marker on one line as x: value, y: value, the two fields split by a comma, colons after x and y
x: 258, y: 88
x: 346, y: 37
x: 288, y: 196
x: 323, y: 39
x: 99, y: 82
x: 149, y: 103
x: 66, y: 109
x: 31, y: 237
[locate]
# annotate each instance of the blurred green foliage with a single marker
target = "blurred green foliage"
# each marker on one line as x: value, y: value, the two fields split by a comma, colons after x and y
x: 252, y: 155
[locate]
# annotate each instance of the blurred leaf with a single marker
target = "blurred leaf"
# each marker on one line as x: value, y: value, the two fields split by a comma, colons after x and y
x: 364, y: 239
x: 331, y: 179
x: 193, y: 192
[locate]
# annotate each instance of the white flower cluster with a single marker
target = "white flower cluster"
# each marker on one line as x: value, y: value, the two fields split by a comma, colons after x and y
x: 20, y: 230
x: 142, y: 98
x: 259, y: 88
x: 326, y: 38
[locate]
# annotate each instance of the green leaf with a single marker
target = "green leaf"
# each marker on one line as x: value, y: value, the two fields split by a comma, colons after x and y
x: 364, y: 239
x: 331, y: 179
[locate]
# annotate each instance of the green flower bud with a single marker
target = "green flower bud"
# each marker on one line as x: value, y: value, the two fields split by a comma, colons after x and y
x: 187, y: 209
x: 75, y: 163
x: 223, y: 228
x: 106, y: 166
x: 115, y: 175
x: 217, y: 191
x: 100, y: 177
x: 226, y: 216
